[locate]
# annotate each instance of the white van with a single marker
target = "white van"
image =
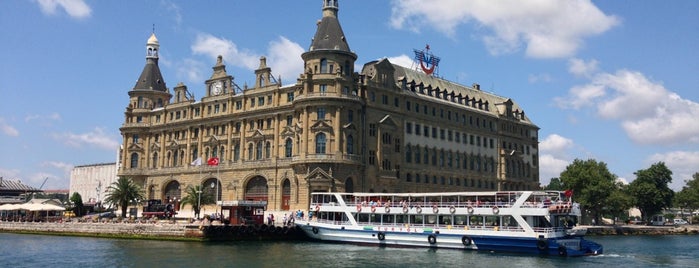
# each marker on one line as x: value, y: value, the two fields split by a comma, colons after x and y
x: 679, y: 222
x: 657, y: 220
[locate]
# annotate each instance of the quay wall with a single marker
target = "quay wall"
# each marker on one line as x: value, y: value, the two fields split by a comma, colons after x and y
x: 641, y: 230
x: 165, y: 231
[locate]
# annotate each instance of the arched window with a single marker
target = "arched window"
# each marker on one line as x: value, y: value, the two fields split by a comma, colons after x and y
x: 350, y: 144
x: 134, y: 160
x: 174, y: 158
x: 320, y: 143
x: 154, y: 160
x: 258, y: 152
x: 268, y: 149
x: 140, y: 102
x: 288, y: 148
x: 236, y: 152
x: 250, y: 153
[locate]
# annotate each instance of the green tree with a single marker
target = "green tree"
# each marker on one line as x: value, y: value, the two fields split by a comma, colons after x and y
x: 619, y: 202
x: 192, y: 197
x: 77, y: 201
x: 650, y: 189
x: 688, y: 197
x: 592, y: 185
x: 555, y: 185
x: 123, y: 192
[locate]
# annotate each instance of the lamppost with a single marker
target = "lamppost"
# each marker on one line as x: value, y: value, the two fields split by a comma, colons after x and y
x: 199, y: 202
x: 214, y: 185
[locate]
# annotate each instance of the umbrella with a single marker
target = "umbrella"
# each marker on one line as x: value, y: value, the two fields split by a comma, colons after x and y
x: 11, y: 207
x: 43, y: 207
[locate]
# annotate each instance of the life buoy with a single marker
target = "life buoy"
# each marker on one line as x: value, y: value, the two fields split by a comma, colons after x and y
x: 359, y: 208
x: 562, y: 251
x: 452, y: 209
x: 435, y: 209
x: 405, y: 210
x: 496, y: 210
x: 373, y: 209
x: 418, y: 209
x: 381, y: 236
x: 466, y: 240
x: 315, y: 230
x: 432, y: 239
x: 387, y: 209
x: 469, y: 209
x: 542, y: 245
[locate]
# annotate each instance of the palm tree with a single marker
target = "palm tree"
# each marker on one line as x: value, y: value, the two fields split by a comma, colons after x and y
x: 122, y: 192
x: 193, y: 198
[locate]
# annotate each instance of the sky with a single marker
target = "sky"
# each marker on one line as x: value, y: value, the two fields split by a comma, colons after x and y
x: 613, y: 81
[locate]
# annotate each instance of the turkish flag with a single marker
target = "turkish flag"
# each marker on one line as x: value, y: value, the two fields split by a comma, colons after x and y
x: 568, y: 193
x: 212, y: 161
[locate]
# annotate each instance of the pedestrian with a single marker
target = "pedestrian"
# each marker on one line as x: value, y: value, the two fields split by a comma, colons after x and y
x: 284, y: 220
x: 272, y: 215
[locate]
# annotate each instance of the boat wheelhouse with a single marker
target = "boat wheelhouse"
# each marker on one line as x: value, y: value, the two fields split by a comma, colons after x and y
x: 542, y: 222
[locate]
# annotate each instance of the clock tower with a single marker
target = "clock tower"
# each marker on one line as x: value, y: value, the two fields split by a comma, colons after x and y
x: 220, y: 82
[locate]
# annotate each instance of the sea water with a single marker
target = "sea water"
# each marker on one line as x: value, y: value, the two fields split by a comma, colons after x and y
x: 23, y: 250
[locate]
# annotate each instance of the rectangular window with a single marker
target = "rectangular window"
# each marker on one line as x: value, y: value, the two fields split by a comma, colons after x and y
x: 269, y: 122
x: 372, y: 130
x: 290, y: 96
x: 321, y: 113
x: 289, y: 119
x: 350, y: 115
x: 216, y: 109
x: 441, y: 134
x: 417, y: 129
x: 395, y: 102
x: 384, y: 99
x: 261, y: 101
x: 372, y: 157
x: 238, y: 106
x: 407, y: 105
x: 426, y: 131
x: 409, y: 128
x: 434, y: 132
x: 323, y: 89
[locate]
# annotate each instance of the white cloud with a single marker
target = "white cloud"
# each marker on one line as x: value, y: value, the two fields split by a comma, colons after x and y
x: 175, y: 9
x: 211, y: 46
x: 96, y: 138
x: 402, y: 60
x: 683, y: 165
x: 641, y: 106
x: 547, y: 28
x: 283, y: 55
x: 74, y: 8
x: 581, y: 68
x: 191, y: 70
x: 553, y: 157
x: 284, y: 59
x: 542, y: 77
x: 7, y: 129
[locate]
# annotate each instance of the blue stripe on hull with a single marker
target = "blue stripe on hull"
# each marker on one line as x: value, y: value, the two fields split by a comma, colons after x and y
x: 482, y: 243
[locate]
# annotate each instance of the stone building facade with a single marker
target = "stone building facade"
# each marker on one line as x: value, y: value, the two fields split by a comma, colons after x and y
x: 384, y: 128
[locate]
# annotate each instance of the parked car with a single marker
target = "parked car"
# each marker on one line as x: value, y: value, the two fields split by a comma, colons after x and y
x: 679, y: 221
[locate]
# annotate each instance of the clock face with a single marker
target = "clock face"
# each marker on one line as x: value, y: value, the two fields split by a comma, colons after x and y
x: 217, y: 88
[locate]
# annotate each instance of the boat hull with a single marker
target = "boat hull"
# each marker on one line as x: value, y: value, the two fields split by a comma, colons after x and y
x: 429, y: 238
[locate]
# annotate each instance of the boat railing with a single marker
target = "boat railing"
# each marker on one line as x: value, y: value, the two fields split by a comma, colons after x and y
x: 430, y: 204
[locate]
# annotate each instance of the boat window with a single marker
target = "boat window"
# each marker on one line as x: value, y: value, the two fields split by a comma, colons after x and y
x: 431, y: 219
x: 475, y: 221
x: 401, y: 219
x: 492, y: 221
x: 541, y: 221
x: 362, y: 218
x: 387, y: 219
x: 445, y: 219
x: 509, y: 221
x: 460, y: 220
x: 417, y: 219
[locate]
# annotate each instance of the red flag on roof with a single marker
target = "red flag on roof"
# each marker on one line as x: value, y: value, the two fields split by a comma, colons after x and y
x: 568, y: 193
x: 212, y: 161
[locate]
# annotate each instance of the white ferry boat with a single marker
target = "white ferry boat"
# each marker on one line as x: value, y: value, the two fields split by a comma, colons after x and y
x: 520, y: 222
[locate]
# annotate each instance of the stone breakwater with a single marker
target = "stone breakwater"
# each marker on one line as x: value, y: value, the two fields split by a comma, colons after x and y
x: 164, y: 230
x: 642, y: 230
x: 172, y: 231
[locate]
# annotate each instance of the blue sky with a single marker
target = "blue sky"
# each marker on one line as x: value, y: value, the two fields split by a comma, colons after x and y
x: 615, y: 81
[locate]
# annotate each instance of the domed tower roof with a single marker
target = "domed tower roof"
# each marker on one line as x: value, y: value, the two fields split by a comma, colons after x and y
x: 151, y: 78
x: 329, y: 35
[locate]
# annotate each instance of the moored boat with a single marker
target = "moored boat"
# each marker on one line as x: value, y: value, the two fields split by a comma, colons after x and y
x: 533, y: 222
